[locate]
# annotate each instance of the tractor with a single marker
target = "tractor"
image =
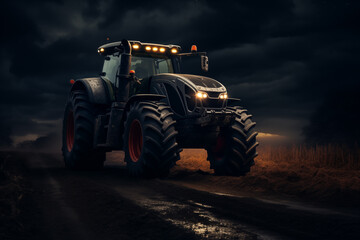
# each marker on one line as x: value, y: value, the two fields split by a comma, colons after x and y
x: 143, y: 105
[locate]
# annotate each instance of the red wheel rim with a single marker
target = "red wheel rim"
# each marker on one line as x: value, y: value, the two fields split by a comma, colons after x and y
x: 219, y: 147
x: 70, y: 131
x: 135, y: 140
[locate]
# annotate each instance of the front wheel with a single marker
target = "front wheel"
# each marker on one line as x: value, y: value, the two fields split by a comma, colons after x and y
x: 234, y: 150
x: 150, y: 139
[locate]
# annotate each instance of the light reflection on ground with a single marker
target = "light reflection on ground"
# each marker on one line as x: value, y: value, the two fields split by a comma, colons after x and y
x: 193, y: 216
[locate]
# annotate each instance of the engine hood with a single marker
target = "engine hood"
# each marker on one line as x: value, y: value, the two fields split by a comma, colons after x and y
x: 200, y: 83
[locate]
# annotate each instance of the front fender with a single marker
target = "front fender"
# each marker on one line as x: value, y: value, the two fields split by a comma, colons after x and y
x: 140, y: 97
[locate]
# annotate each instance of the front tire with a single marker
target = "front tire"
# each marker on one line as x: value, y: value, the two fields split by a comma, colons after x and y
x: 78, y: 134
x: 234, y: 150
x: 150, y: 139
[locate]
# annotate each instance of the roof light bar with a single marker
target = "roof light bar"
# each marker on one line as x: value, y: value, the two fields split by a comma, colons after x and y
x: 136, y: 46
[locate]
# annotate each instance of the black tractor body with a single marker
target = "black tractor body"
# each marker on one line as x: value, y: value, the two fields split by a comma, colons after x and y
x: 143, y: 104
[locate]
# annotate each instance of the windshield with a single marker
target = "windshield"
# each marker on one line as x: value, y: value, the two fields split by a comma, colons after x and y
x: 146, y: 66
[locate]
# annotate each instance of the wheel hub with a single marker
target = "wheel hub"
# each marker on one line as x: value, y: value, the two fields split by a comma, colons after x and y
x: 70, y: 131
x: 219, y: 147
x: 135, y: 140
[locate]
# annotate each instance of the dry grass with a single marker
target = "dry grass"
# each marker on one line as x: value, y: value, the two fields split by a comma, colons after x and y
x: 296, y: 156
x: 323, y: 173
x: 320, y: 156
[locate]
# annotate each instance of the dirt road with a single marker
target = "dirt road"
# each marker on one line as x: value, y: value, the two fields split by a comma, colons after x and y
x: 108, y: 204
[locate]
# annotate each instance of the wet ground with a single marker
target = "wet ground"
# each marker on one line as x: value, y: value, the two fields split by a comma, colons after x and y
x: 109, y: 204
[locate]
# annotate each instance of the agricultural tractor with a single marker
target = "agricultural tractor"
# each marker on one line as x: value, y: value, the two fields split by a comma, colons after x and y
x: 142, y: 104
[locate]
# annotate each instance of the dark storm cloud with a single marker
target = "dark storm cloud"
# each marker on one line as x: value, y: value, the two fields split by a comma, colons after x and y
x: 280, y: 57
x: 50, y: 142
x: 5, y: 129
x: 336, y: 119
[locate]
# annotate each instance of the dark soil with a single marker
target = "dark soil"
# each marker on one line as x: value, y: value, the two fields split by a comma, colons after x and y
x: 40, y: 199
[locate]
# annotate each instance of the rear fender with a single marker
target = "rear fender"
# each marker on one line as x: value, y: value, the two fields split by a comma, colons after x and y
x: 96, y: 89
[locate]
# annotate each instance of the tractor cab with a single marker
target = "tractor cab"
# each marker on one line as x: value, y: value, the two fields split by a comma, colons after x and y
x: 147, y: 59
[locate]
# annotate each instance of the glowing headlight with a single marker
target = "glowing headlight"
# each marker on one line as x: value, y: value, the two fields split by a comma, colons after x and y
x: 201, y: 95
x: 136, y: 46
x: 223, y: 96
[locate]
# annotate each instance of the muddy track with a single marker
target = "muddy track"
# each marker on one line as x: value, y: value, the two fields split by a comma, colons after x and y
x: 110, y: 205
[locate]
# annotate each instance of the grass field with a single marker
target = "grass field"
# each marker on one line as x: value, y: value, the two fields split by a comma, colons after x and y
x: 323, y: 173
x: 320, y: 156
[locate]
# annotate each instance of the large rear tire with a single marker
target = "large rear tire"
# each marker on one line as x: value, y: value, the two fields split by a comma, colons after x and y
x: 234, y: 150
x: 150, y: 139
x: 78, y: 134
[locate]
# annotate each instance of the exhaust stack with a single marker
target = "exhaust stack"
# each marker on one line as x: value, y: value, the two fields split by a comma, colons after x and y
x: 124, y: 71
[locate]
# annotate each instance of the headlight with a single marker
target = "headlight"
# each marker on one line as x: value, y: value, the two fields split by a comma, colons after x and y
x: 223, y: 95
x: 201, y: 95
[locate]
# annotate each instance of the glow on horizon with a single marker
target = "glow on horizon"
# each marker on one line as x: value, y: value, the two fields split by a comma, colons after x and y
x: 270, y: 135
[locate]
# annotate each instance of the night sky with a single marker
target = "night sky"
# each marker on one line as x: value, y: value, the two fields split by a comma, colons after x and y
x: 289, y: 61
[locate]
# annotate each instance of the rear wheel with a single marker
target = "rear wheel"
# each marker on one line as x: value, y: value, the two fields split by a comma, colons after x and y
x: 78, y: 134
x: 150, y: 139
x: 234, y: 150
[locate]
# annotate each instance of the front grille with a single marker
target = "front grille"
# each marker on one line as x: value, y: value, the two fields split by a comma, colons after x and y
x: 213, y: 103
x: 213, y: 94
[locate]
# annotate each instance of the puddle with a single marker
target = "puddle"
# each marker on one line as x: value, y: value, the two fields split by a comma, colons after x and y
x: 193, y: 216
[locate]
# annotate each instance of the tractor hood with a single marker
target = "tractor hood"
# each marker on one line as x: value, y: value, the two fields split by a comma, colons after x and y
x: 200, y: 83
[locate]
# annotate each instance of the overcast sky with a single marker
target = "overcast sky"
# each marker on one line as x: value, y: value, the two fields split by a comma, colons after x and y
x: 282, y: 58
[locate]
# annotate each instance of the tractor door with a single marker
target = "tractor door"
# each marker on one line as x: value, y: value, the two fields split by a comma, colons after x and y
x: 110, y: 70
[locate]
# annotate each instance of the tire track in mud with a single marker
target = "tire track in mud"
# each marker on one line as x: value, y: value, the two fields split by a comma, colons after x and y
x: 193, y: 217
x: 59, y: 216
x: 75, y: 207
x: 110, y: 204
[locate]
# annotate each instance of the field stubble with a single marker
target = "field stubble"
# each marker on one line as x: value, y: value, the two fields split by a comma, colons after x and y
x: 329, y: 173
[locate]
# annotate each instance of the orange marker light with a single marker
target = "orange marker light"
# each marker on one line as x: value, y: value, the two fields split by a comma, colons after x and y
x: 132, y: 72
x: 72, y: 81
x: 193, y: 48
x: 174, y: 50
x: 155, y: 49
x: 162, y: 49
x: 136, y: 47
x: 147, y: 48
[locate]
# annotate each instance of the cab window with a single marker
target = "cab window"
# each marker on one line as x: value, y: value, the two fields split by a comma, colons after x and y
x: 111, y: 66
x: 146, y: 66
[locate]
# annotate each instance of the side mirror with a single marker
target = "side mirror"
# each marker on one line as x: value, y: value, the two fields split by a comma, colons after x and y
x: 204, y: 63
